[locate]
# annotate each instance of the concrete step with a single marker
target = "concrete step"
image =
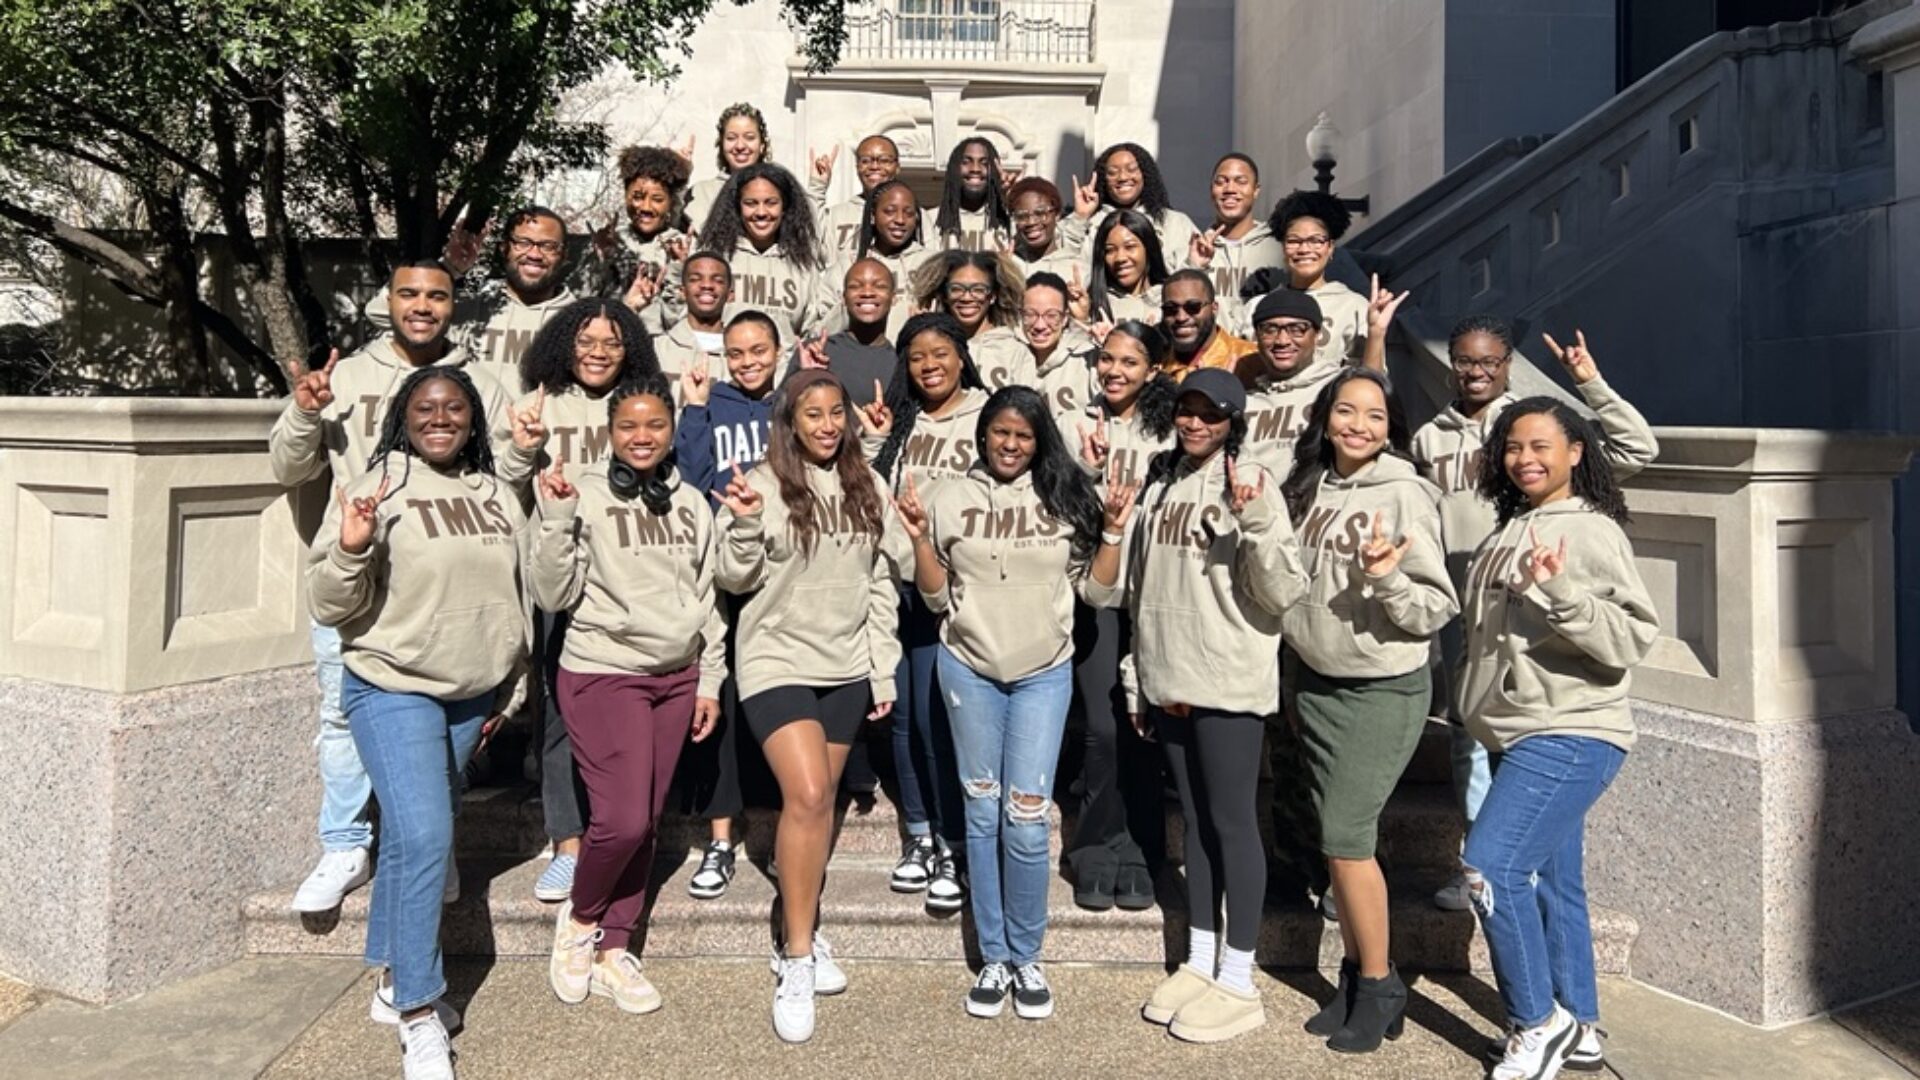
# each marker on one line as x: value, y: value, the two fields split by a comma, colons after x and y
x: 498, y: 916
x: 1420, y: 827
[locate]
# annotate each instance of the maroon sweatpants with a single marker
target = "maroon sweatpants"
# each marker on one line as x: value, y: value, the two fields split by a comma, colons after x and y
x: 627, y: 732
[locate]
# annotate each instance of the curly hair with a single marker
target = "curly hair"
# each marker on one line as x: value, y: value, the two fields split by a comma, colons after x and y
x: 796, y: 238
x: 1313, y: 451
x: 999, y: 217
x: 870, y: 203
x: 1153, y: 201
x: 1136, y: 223
x: 663, y: 167
x: 548, y: 361
x: 477, y: 454
x: 1592, y: 480
x: 929, y: 283
x: 734, y: 112
x: 1159, y: 394
x: 1065, y: 492
x: 903, y: 396
x: 790, y: 467
x: 1325, y: 209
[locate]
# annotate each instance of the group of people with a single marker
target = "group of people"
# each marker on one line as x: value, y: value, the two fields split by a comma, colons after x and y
x: 762, y: 465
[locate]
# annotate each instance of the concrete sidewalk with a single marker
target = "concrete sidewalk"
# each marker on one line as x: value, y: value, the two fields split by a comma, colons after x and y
x: 288, y: 1018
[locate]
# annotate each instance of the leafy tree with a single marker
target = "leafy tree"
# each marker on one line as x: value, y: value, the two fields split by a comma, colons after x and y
x: 271, y: 122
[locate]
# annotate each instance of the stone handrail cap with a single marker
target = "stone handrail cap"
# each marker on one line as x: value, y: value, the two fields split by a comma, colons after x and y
x: 128, y: 424
x: 1801, y: 452
x: 1892, y: 40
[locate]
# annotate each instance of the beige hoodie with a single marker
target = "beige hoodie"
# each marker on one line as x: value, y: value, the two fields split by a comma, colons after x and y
x: 1554, y: 659
x: 1233, y: 261
x: 937, y: 448
x: 1350, y: 626
x: 766, y: 281
x: 490, y: 323
x: 611, y: 275
x: 436, y: 605
x: 639, y: 586
x: 1207, y: 589
x: 824, y: 620
x: 1449, y: 446
x: 1343, y: 321
x: 829, y: 302
x: 1010, y: 583
x: 1002, y: 357
x: 342, y: 434
x: 1129, y: 447
x: 576, y: 424
x: 1066, y: 378
x: 1063, y: 260
x: 975, y: 234
x: 1175, y: 231
x: 1277, y: 407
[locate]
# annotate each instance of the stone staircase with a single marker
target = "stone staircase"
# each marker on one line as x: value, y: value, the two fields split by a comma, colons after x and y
x: 499, y: 836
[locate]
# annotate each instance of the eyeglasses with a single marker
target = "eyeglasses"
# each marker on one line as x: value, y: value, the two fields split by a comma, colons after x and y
x: 1298, y: 331
x: 1044, y: 318
x: 1192, y: 308
x: 877, y: 159
x: 520, y: 245
x: 1311, y: 243
x: 958, y: 291
x: 1120, y: 172
x: 1488, y: 364
x: 1035, y: 217
x: 602, y: 346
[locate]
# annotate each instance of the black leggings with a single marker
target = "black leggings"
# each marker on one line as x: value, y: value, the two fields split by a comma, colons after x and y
x: 1123, y: 816
x: 1215, y: 758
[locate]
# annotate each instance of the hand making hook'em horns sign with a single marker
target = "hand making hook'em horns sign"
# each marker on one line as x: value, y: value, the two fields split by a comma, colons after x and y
x: 739, y: 496
x: 359, y: 518
x: 313, y: 391
x: 1244, y: 495
x: 1380, y: 556
x: 1542, y: 563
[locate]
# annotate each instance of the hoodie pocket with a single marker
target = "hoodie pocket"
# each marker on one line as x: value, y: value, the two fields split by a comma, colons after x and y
x: 472, y: 646
x: 1022, y: 614
x: 829, y: 614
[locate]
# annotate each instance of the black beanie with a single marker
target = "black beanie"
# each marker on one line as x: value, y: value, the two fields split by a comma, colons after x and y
x: 1287, y: 302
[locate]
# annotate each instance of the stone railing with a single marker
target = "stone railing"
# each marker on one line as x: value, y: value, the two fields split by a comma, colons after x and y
x: 1007, y: 31
x: 155, y: 684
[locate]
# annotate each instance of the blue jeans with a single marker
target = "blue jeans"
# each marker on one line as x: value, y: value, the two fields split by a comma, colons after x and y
x: 1528, y: 844
x: 344, y: 787
x: 930, y: 800
x: 1006, y: 740
x: 415, y: 749
x: 1472, y: 772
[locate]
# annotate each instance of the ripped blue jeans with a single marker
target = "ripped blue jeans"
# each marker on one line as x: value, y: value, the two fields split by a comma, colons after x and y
x: 1006, y: 740
x: 1527, y: 844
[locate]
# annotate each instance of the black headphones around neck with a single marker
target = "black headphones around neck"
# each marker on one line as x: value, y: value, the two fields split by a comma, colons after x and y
x: 653, y: 492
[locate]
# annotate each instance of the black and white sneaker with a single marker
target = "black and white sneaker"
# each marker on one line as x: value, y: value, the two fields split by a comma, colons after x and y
x: 989, y: 994
x: 917, y: 860
x: 1588, y: 1055
x: 1032, y: 998
x: 1537, y: 1053
x: 944, y: 891
x: 715, y: 874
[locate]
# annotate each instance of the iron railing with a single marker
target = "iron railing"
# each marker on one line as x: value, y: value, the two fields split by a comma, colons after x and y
x: 1001, y: 31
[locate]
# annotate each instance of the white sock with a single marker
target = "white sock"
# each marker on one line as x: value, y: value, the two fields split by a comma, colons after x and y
x: 1236, y: 969
x: 1200, y: 946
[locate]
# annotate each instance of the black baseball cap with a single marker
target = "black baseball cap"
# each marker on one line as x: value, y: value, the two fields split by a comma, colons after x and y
x: 1219, y: 386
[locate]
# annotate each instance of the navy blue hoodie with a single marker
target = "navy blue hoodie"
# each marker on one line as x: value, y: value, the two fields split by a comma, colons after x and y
x: 730, y: 428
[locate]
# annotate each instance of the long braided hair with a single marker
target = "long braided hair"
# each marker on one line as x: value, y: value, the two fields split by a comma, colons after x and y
x: 903, y: 396
x: 1153, y: 201
x: 869, y: 233
x: 477, y: 454
x: 999, y: 217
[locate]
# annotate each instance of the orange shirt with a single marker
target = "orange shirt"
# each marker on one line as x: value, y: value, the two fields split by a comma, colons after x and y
x: 1223, y: 350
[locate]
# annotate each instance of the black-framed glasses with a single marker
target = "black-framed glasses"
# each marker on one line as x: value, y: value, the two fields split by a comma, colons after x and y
x: 877, y: 159
x: 520, y: 245
x: 1488, y: 364
x: 1298, y: 331
x: 1311, y: 243
x: 959, y: 290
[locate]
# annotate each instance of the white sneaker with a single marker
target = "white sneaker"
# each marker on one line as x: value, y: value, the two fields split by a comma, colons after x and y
x: 1588, y: 1055
x: 337, y: 874
x: 428, y: 1053
x: 793, y: 1001
x: 944, y: 891
x: 828, y: 977
x: 451, y: 892
x: 381, y: 1009
x: 1536, y: 1053
x: 570, y: 966
x: 1455, y: 895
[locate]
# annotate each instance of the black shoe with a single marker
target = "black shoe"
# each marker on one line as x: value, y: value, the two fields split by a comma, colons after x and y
x: 1333, y: 1016
x: 1379, y: 1011
x: 1133, y: 889
x: 989, y: 994
x: 1032, y: 997
x: 917, y: 860
x: 715, y: 873
x: 945, y: 892
x: 1093, y: 887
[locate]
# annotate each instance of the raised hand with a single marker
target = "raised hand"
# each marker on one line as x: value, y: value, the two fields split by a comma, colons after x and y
x: 1093, y: 443
x: 913, y: 514
x: 1117, y: 507
x: 1100, y: 329
x: 1542, y: 564
x: 813, y: 353
x: 706, y: 713
x: 606, y: 239
x: 1381, y: 304
x: 313, y: 391
x: 739, y: 496
x: 1079, y: 303
x: 359, y: 518
x: 554, y: 486
x: 1009, y: 174
x: 876, y: 419
x: 685, y: 152
x: 1244, y: 495
x: 1086, y: 198
x: 528, y: 432
x: 646, y: 286
x: 696, y: 385
x: 676, y: 248
x: 464, y: 247
x: 1380, y: 556
x: 823, y: 163
x: 1200, y: 248
x: 1577, y: 359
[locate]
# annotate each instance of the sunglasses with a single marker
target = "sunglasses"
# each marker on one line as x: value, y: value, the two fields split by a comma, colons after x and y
x: 1192, y: 308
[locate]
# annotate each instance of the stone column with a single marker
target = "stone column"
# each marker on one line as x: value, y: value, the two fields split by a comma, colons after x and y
x: 156, y: 693
x: 1763, y: 830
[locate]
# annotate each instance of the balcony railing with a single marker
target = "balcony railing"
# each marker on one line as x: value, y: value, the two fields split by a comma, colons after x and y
x: 994, y: 31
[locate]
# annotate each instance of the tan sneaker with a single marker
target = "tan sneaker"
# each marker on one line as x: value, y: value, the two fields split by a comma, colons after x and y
x: 1185, y: 984
x: 1218, y: 1014
x: 621, y: 980
x: 570, y: 971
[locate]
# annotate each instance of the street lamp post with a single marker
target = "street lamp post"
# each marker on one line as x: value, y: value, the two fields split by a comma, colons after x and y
x: 1321, y: 140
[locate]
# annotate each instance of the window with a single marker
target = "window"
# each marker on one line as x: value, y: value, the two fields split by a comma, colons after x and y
x: 950, y: 20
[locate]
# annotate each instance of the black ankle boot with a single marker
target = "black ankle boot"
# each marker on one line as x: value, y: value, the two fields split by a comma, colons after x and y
x: 1333, y: 1015
x: 1379, y: 1010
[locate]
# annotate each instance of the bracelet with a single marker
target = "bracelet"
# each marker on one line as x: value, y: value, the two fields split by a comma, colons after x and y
x: 1112, y: 539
